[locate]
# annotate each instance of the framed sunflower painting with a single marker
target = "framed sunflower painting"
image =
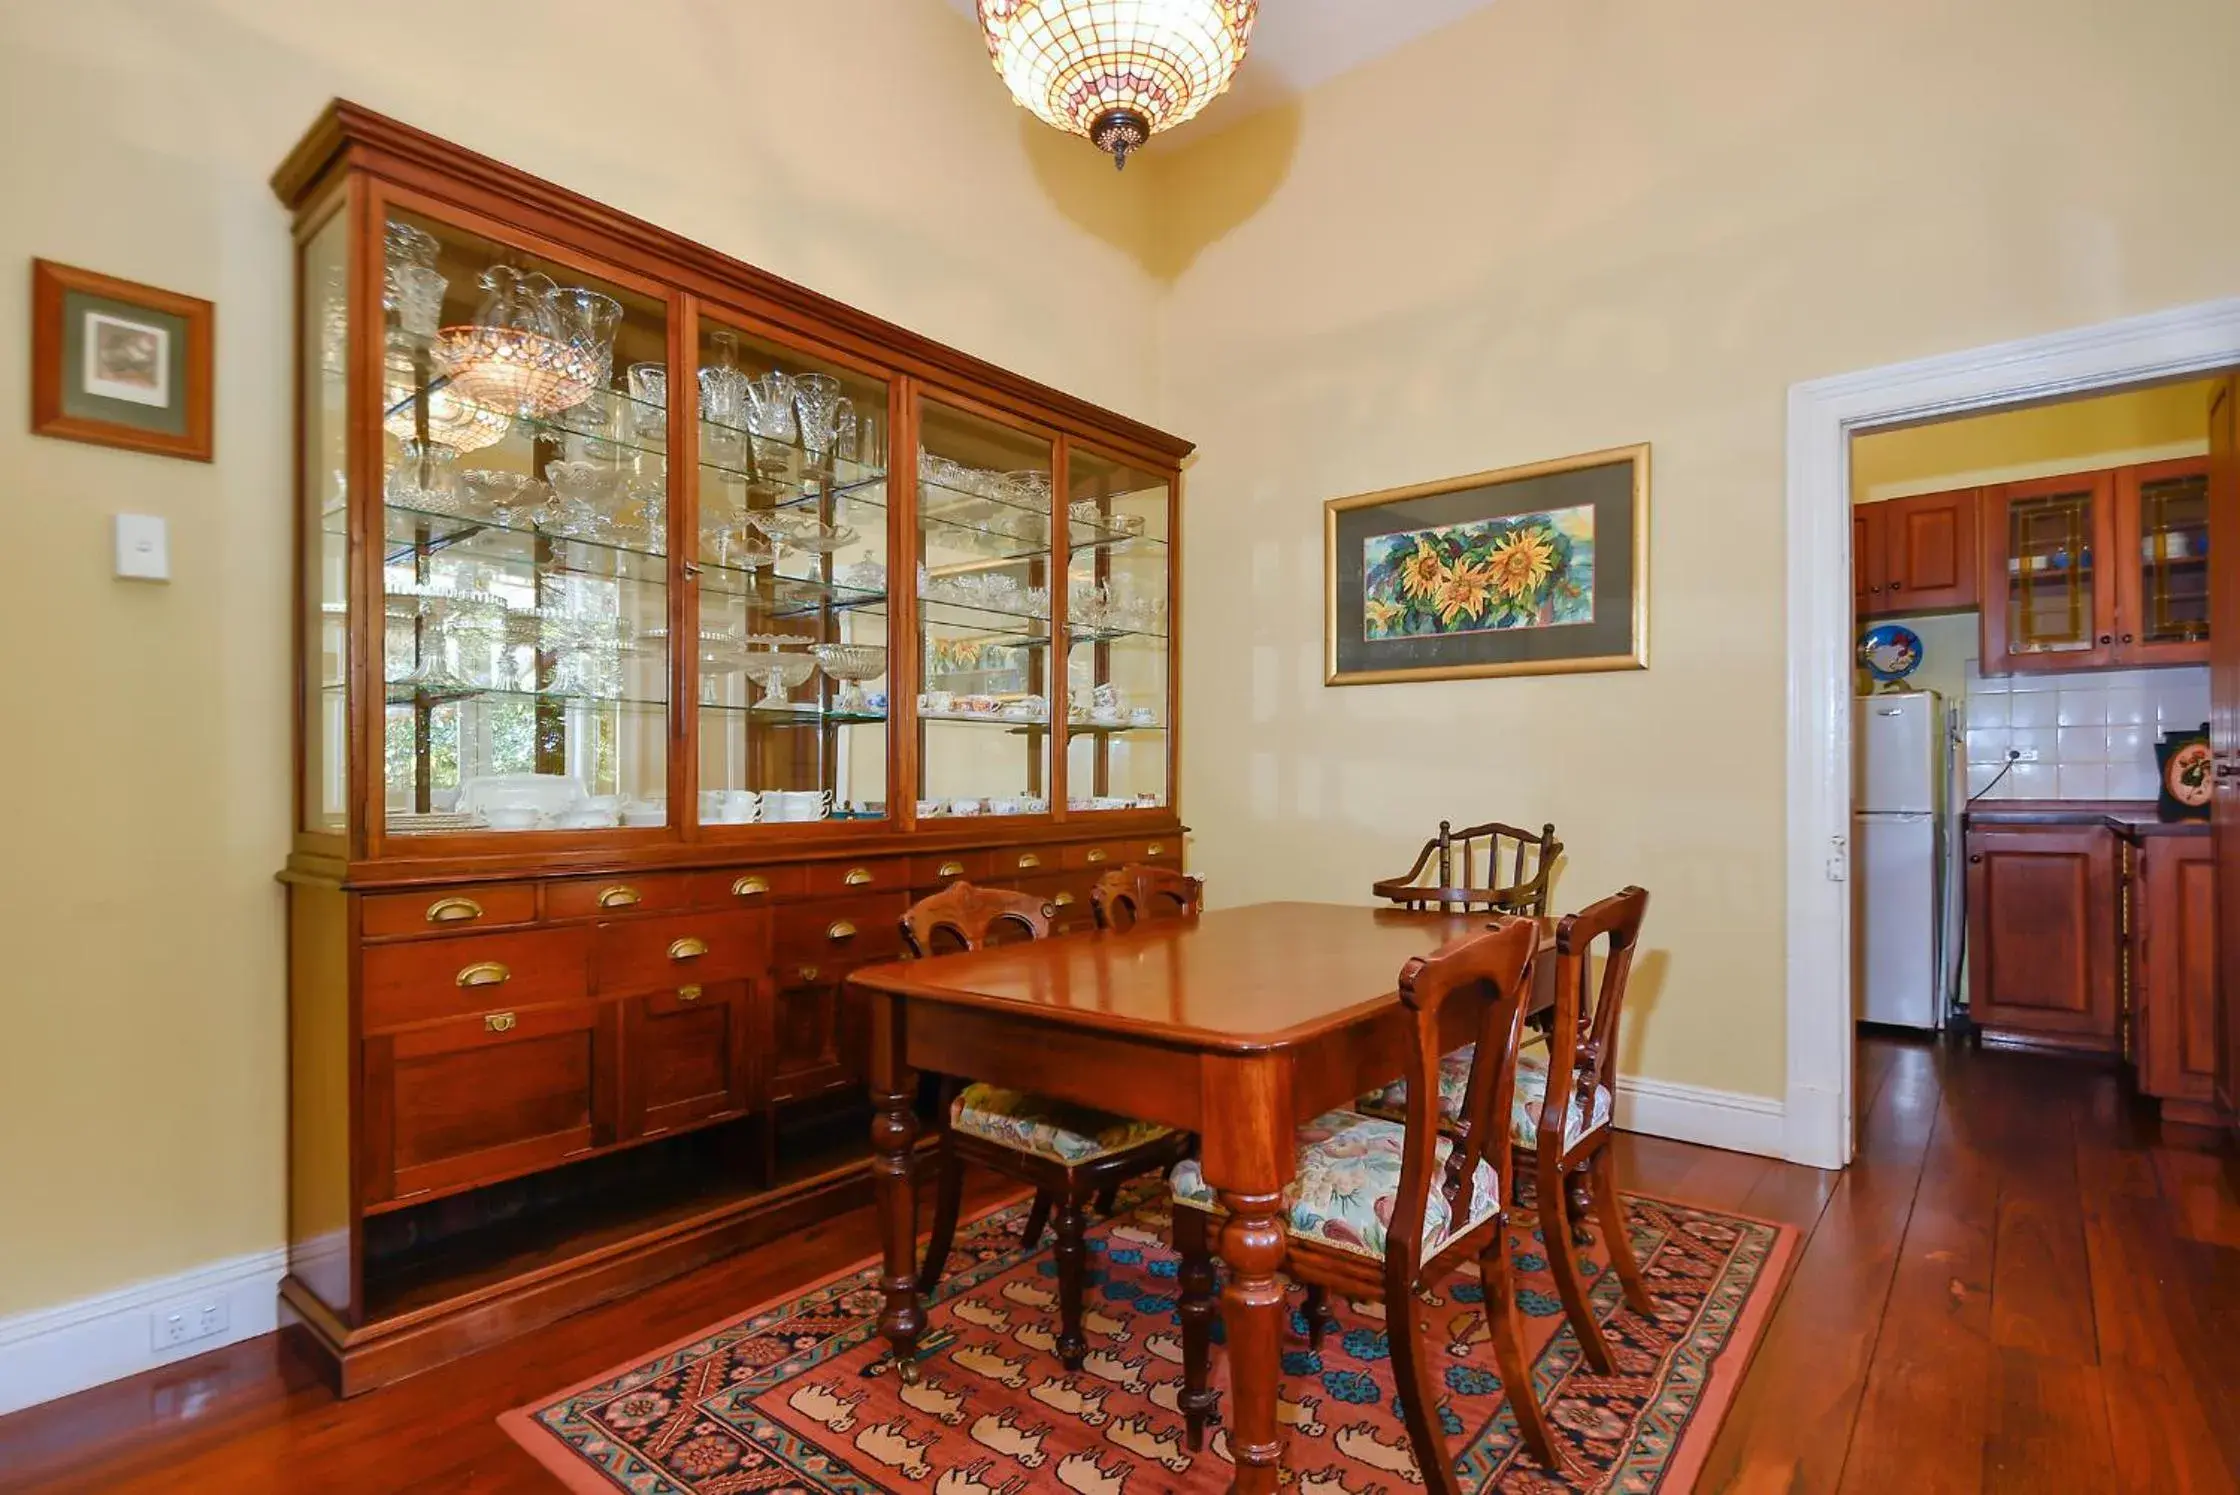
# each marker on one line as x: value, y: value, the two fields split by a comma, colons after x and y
x: 1532, y: 570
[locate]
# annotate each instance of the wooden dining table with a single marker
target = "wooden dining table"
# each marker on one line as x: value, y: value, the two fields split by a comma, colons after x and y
x: 1237, y: 1025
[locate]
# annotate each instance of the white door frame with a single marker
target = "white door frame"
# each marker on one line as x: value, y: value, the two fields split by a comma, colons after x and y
x: 1823, y: 415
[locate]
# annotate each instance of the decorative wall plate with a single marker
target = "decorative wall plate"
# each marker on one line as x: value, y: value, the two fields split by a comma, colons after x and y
x: 1890, y: 652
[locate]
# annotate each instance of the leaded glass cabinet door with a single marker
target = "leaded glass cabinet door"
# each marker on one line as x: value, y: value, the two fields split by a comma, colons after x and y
x: 2163, y: 609
x: 2050, y: 602
x: 524, y: 543
x: 791, y: 579
x: 987, y: 677
x: 1118, y: 701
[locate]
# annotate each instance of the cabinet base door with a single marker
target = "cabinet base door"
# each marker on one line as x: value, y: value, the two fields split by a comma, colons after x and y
x: 470, y: 1101
x: 2042, y: 916
x: 688, y: 1057
x: 806, y: 1052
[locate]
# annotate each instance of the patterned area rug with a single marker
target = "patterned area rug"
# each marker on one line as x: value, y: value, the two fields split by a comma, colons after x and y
x: 798, y: 1396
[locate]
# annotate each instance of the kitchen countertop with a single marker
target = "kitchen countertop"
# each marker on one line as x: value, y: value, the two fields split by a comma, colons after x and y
x: 2126, y: 817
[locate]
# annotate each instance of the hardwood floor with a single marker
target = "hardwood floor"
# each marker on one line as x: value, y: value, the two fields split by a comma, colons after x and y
x: 2024, y: 1283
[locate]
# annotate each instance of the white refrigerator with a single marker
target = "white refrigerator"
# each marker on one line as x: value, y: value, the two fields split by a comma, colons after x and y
x: 1900, y: 754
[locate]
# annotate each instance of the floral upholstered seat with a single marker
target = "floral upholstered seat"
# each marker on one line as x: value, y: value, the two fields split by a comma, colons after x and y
x: 1524, y: 1111
x: 1348, y: 1180
x: 1056, y: 1130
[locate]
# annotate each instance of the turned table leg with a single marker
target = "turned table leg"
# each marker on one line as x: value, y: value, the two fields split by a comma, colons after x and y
x: 1252, y: 1310
x: 894, y: 1138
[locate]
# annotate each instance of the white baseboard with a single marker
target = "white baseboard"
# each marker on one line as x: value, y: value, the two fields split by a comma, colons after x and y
x: 1691, y: 1113
x: 51, y: 1352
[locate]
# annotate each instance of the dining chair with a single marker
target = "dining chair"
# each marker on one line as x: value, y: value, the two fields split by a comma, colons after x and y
x: 1066, y: 1153
x: 1126, y: 896
x: 1581, y: 1080
x: 1453, y: 860
x: 1380, y: 1209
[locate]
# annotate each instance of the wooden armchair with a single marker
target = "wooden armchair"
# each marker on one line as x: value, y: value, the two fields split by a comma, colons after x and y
x: 1442, y: 1194
x: 1532, y: 864
x: 1126, y: 896
x: 1066, y: 1153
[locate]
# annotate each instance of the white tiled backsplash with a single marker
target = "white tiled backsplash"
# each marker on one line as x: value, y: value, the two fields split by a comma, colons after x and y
x: 2085, y: 736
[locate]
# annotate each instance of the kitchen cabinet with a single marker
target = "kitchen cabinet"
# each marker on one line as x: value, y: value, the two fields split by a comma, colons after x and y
x: 2174, y: 943
x: 1915, y: 555
x: 2097, y: 570
x: 2044, y: 914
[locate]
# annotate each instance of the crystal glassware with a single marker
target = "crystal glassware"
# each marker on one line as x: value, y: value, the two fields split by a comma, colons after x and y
x: 521, y: 354
x: 723, y: 400
x: 851, y: 665
x: 771, y: 419
x: 778, y: 672
x: 795, y: 530
x: 649, y: 389
x: 646, y: 510
x: 424, y: 477
x: 505, y: 497
x: 847, y: 435
x: 817, y: 401
x: 404, y: 247
x: 583, y: 490
x: 419, y: 299
x: 588, y: 320
x: 450, y: 417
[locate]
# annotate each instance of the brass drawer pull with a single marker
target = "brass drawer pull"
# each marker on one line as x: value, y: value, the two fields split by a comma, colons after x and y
x: 808, y: 973
x: 484, y: 973
x: 750, y: 887
x: 688, y: 948
x: 453, y: 910
x: 688, y: 993
x: 1028, y: 859
x: 1097, y: 854
x: 951, y: 869
x: 1155, y: 850
x: 841, y: 930
x: 857, y: 877
x: 621, y: 895
x: 498, y: 1022
x: 1063, y: 900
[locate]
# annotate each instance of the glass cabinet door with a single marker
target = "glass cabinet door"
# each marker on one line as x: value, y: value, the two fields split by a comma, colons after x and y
x: 524, y: 539
x: 2057, y: 601
x: 324, y: 795
x: 1117, y: 700
x: 2165, y: 608
x: 792, y: 585
x: 985, y: 515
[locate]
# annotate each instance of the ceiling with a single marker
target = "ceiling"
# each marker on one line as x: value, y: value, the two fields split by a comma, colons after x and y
x: 1300, y: 43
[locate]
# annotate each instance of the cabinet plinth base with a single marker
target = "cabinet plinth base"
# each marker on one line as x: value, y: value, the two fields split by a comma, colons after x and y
x: 2074, y: 1045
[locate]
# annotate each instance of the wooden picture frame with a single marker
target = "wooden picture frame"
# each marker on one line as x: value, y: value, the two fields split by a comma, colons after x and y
x: 121, y: 364
x: 1531, y: 570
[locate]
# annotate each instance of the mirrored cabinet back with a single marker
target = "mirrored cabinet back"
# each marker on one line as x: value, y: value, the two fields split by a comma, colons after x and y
x: 664, y: 629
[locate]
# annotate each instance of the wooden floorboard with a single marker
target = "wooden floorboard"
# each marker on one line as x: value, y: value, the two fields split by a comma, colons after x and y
x: 2024, y: 1283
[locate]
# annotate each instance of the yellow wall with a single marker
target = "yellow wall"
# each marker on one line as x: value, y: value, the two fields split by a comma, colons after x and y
x: 859, y: 146
x: 1561, y: 226
x: 2135, y: 425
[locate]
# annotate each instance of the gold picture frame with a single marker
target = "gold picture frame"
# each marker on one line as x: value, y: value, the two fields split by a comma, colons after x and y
x: 1531, y: 570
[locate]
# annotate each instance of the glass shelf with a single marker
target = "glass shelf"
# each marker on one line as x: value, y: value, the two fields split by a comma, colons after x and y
x: 798, y: 715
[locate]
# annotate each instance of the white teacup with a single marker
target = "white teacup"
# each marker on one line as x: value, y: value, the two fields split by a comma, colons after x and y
x: 964, y: 807
x: 511, y: 817
x: 711, y: 806
x: 928, y: 808
x: 1003, y: 807
x: 741, y: 807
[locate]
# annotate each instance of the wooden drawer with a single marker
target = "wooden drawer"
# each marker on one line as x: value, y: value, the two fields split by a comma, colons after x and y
x: 689, y: 1057
x: 1162, y: 851
x: 1102, y: 856
x: 833, y: 931
x: 695, y: 949
x: 1024, y: 861
x: 749, y: 887
x: 449, y: 911
x: 458, y: 1104
x: 870, y: 875
x: 944, y: 868
x: 429, y: 979
x: 605, y: 897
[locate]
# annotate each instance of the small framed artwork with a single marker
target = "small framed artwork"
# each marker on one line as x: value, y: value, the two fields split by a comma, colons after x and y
x: 2182, y: 763
x: 1534, y: 570
x: 120, y: 364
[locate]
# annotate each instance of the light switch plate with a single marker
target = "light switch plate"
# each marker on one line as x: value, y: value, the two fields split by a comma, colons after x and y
x: 143, y: 547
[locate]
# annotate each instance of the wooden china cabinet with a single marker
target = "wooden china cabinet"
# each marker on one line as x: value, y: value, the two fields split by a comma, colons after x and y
x: 664, y: 629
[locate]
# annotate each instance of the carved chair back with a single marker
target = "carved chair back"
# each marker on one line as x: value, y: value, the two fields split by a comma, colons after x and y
x: 1495, y: 966
x: 1583, y: 1032
x: 964, y: 917
x: 1126, y: 896
x: 1465, y: 871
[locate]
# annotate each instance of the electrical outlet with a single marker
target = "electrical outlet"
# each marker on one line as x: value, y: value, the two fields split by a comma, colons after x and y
x: 2022, y: 755
x: 184, y: 1323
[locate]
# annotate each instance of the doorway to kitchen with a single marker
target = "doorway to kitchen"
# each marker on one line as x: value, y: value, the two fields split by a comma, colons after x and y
x: 1825, y: 416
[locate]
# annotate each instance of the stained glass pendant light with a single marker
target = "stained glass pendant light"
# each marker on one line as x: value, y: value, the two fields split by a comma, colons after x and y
x: 1117, y: 72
